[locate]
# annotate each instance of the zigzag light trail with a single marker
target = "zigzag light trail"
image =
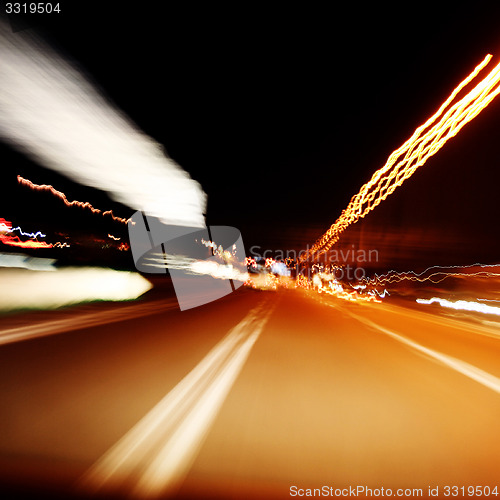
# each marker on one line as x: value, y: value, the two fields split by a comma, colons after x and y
x: 62, y: 196
x: 425, y: 142
x: 14, y: 240
x: 38, y: 234
x: 7, y: 227
x: 435, y: 274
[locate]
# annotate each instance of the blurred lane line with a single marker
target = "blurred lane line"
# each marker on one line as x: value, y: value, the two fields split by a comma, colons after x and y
x: 485, y: 329
x: 471, y: 371
x: 490, y: 330
x: 77, y: 322
x: 156, y: 454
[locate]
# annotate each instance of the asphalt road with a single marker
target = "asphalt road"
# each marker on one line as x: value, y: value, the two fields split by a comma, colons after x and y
x: 257, y: 395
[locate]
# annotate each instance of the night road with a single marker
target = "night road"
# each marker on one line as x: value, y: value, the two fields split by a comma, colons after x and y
x: 249, y: 251
x: 288, y: 388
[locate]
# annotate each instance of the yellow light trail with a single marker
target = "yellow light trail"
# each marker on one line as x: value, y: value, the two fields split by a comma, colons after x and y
x: 425, y: 142
x: 62, y: 196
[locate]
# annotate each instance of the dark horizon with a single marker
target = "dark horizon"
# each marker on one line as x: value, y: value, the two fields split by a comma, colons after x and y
x: 282, y: 125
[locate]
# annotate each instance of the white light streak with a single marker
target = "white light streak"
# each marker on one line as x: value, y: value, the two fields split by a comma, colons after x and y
x: 196, y: 266
x: 463, y: 305
x: 53, y: 113
x: 23, y: 289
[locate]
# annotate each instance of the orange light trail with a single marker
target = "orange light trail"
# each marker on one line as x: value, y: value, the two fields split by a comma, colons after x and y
x: 62, y: 245
x: 62, y: 196
x: 250, y: 261
x: 266, y: 281
x: 14, y: 241
x: 425, y: 142
x: 333, y: 288
x: 350, y: 296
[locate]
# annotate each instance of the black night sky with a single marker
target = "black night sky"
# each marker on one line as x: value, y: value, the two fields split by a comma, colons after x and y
x: 282, y: 114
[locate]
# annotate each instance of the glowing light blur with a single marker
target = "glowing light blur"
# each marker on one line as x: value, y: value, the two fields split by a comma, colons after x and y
x: 270, y: 275
x: 216, y: 270
x: 196, y: 266
x: 54, y: 114
x: 462, y: 305
x: 23, y: 289
x: 425, y: 142
x: 333, y: 287
x: 262, y: 281
x: 15, y: 241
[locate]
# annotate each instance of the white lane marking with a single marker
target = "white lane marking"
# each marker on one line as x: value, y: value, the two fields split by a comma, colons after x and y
x: 78, y: 321
x: 458, y: 365
x: 156, y: 454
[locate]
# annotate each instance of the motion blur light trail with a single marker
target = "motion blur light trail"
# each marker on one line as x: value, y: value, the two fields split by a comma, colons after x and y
x: 22, y: 289
x: 195, y: 266
x: 156, y: 454
x: 436, y: 274
x: 426, y: 141
x: 462, y: 305
x: 79, y: 321
x: 7, y: 226
x: 15, y: 241
x: 74, y: 203
x: 334, y: 288
x: 54, y: 114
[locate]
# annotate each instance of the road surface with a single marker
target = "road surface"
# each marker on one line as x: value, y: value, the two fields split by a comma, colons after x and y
x: 257, y: 395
